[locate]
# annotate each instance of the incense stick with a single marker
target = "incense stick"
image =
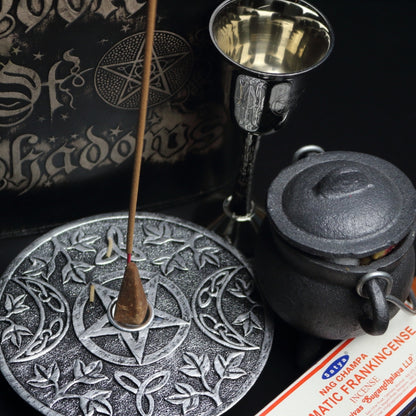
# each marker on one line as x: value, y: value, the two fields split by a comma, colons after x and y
x: 150, y: 28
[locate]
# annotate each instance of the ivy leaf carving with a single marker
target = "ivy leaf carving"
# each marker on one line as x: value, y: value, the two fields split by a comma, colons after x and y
x: 45, y: 376
x: 96, y: 401
x: 75, y: 271
x: 83, y: 243
x: 38, y: 267
x: 206, y: 255
x: 229, y: 367
x: 169, y: 264
x: 242, y: 288
x: 195, y: 366
x: 157, y: 234
x: 90, y: 373
x: 15, y: 334
x: 186, y: 396
x: 249, y: 321
x: 15, y: 305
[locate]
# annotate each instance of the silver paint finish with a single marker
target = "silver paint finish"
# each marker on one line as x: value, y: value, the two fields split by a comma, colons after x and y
x: 204, y: 348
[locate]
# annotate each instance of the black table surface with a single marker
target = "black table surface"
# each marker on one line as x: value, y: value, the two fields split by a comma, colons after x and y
x: 362, y: 99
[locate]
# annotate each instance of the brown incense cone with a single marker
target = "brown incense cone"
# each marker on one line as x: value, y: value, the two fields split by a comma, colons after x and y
x: 131, y: 307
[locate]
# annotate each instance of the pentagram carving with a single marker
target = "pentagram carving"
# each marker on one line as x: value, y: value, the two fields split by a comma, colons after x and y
x: 118, y: 75
x: 203, y: 349
x: 131, y: 348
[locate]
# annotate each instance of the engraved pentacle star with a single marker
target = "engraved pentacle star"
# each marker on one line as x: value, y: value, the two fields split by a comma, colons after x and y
x: 118, y: 76
x: 171, y: 322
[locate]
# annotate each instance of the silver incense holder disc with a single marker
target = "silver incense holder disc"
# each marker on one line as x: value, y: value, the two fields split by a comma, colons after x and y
x: 207, y: 342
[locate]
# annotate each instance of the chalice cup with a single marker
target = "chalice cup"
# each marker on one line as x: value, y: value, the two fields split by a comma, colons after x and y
x: 269, y: 49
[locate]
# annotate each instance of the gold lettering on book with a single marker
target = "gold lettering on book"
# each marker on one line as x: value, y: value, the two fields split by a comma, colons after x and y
x: 28, y: 162
x: 32, y: 12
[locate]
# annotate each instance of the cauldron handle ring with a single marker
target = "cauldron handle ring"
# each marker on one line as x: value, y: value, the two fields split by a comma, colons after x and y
x: 305, y: 151
x: 368, y: 287
x: 401, y: 305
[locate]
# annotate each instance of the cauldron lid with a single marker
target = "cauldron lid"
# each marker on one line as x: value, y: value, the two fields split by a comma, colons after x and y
x: 337, y: 204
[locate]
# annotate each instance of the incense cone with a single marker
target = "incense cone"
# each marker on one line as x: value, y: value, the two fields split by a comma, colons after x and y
x: 131, y: 307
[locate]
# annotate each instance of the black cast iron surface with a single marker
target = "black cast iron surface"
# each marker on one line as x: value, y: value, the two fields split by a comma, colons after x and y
x: 341, y: 204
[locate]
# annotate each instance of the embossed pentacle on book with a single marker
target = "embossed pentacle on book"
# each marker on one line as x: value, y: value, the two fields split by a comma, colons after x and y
x: 206, y: 345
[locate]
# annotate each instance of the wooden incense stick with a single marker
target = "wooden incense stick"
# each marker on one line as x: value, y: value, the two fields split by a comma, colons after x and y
x: 131, y: 306
x: 150, y: 29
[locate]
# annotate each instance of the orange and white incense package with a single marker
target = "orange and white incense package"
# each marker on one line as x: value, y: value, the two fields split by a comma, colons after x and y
x: 366, y: 376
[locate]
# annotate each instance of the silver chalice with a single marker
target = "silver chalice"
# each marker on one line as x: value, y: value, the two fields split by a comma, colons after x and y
x: 269, y: 47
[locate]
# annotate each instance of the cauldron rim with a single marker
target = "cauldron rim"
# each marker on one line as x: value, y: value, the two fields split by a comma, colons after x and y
x: 324, y: 270
x: 404, y: 221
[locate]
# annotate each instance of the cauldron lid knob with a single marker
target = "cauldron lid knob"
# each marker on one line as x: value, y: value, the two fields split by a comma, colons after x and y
x: 342, y: 204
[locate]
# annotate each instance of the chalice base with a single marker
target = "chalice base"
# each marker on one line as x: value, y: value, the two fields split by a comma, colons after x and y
x: 239, y: 230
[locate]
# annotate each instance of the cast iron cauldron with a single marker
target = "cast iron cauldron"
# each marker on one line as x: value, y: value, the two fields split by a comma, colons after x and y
x: 335, y: 256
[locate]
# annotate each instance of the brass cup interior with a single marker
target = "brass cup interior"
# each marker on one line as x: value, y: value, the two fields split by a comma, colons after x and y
x: 272, y: 37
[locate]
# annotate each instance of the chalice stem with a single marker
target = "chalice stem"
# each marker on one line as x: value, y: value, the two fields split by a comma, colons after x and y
x: 241, y: 203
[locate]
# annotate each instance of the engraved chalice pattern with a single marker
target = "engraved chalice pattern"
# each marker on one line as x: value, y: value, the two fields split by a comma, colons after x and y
x: 268, y: 48
x: 205, y: 347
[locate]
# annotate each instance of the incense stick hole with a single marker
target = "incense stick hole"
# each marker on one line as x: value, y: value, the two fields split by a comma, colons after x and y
x: 126, y: 327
